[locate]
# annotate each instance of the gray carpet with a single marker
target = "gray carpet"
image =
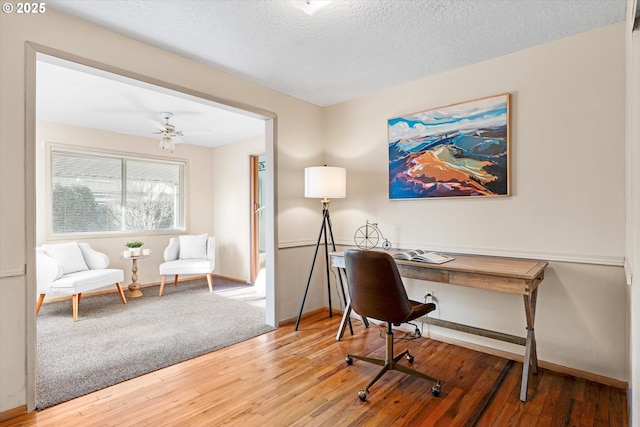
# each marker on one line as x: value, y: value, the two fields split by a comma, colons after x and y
x: 112, y: 342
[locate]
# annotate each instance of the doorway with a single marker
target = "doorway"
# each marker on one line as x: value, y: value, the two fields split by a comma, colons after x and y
x: 34, y: 162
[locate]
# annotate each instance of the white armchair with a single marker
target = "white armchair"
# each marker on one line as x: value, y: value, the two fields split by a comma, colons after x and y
x: 191, y: 255
x: 71, y: 269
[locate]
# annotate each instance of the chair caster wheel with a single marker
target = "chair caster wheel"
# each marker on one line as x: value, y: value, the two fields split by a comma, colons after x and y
x: 409, y: 358
x: 362, y: 395
x: 349, y: 360
x: 436, y: 389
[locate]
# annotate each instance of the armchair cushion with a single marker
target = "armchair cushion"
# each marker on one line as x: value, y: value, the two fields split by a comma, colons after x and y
x: 193, y: 246
x: 95, y: 260
x: 47, y: 268
x: 187, y: 266
x: 68, y: 255
x: 85, y: 281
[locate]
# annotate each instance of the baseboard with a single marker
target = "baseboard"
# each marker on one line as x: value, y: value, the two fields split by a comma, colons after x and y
x: 189, y: 278
x: 142, y: 286
x: 630, y: 404
x: 232, y: 279
x: 294, y: 319
x: 12, y: 413
x: 590, y: 376
x: 310, y: 313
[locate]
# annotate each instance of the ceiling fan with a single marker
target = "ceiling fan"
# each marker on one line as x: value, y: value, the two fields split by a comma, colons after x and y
x: 170, y: 136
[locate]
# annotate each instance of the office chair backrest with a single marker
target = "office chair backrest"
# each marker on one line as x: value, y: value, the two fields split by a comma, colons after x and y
x: 375, y: 286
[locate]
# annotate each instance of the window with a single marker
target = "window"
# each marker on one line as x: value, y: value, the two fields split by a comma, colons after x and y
x: 96, y: 193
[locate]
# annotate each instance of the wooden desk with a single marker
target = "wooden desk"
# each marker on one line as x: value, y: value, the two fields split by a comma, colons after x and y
x: 516, y: 276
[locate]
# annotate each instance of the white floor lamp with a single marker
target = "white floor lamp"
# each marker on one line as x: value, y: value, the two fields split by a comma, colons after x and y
x: 324, y: 182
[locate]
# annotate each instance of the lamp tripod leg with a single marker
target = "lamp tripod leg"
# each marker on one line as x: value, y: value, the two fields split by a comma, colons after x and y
x: 326, y: 232
x: 326, y: 257
x: 313, y: 263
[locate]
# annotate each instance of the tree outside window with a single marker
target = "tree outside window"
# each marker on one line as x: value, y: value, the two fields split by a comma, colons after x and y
x: 99, y: 193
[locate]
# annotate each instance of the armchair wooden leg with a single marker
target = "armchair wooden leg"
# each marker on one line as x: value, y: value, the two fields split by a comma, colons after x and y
x: 210, y: 282
x: 162, y: 285
x: 122, y: 297
x: 39, y: 303
x: 76, y: 299
x: 79, y: 297
x: 175, y: 281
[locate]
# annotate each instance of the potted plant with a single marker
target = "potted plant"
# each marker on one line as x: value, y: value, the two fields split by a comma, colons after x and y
x: 134, y: 247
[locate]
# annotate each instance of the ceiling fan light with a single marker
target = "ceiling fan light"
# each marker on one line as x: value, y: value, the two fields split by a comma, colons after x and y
x: 167, y: 144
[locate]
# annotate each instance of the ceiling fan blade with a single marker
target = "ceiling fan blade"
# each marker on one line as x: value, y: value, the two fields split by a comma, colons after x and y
x: 159, y: 126
x: 200, y: 132
x: 137, y: 132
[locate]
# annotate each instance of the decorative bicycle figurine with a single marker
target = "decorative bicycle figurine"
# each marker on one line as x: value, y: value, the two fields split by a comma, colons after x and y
x: 368, y: 236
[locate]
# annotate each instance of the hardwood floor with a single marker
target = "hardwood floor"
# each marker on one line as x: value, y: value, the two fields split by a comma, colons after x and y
x: 289, y: 378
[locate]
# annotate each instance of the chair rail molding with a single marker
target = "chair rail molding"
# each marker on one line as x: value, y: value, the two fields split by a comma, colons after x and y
x: 14, y: 272
x: 610, y: 260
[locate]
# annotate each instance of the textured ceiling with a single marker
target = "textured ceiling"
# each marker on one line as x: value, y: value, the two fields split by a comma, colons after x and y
x: 349, y: 48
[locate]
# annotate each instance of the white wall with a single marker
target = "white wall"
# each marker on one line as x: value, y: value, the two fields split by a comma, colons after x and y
x: 633, y: 205
x: 232, y: 209
x: 568, y: 194
x: 298, y: 141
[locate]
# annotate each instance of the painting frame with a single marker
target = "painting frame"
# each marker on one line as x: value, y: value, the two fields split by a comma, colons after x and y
x: 461, y: 150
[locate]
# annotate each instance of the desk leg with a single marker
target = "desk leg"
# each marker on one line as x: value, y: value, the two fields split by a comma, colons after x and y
x: 346, y: 317
x: 344, y: 296
x: 343, y: 323
x: 530, y: 354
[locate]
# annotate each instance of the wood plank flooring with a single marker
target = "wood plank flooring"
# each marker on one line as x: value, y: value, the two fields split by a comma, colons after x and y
x: 289, y: 378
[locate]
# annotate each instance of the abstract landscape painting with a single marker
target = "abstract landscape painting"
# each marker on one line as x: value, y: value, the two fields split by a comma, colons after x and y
x: 455, y: 151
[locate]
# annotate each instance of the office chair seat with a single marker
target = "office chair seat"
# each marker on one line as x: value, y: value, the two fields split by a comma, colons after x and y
x: 377, y: 292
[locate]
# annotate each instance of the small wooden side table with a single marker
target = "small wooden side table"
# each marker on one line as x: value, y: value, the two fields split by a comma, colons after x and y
x: 134, y: 286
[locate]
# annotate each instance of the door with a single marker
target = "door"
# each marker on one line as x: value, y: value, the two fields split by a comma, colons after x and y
x: 258, y: 168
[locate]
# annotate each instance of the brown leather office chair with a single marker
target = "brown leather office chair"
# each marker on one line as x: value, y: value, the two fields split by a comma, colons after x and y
x: 377, y: 292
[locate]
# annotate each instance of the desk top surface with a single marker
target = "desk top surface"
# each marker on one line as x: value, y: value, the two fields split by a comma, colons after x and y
x: 479, y: 264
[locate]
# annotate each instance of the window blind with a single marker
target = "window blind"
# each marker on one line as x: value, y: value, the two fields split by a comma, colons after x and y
x: 100, y: 193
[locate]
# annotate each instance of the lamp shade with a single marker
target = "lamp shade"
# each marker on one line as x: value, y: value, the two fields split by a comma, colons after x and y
x: 325, y: 182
